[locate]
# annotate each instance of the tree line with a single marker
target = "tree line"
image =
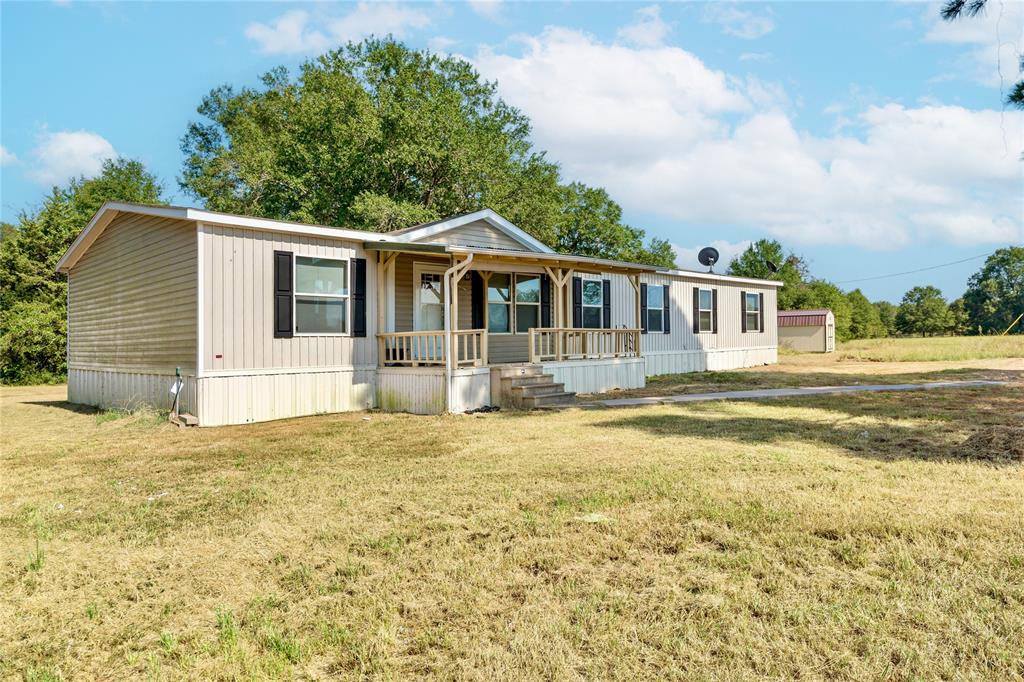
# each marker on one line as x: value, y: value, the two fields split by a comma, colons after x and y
x: 378, y: 136
x: 993, y: 299
x: 372, y: 136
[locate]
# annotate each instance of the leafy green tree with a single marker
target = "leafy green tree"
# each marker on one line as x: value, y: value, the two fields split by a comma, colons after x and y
x: 591, y: 225
x: 923, y: 311
x: 887, y: 317
x: 820, y: 293
x: 377, y: 136
x: 957, y: 320
x: 753, y: 262
x: 32, y: 294
x: 995, y: 294
x: 865, y: 322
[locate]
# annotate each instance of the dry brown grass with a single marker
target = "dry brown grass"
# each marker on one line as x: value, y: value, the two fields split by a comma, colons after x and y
x: 954, y: 348
x: 838, y: 538
x: 817, y: 369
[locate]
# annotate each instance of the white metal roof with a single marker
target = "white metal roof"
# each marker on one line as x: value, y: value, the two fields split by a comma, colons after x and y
x: 534, y: 248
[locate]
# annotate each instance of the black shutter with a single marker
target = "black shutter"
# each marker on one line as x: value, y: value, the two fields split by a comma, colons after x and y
x: 714, y: 311
x: 476, y: 298
x: 760, y: 310
x: 606, y: 304
x: 545, y: 301
x: 643, y: 308
x: 282, y: 294
x: 668, y: 310
x: 743, y: 311
x: 577, y: 302
x: 696, y: 310
x: 358, y: 276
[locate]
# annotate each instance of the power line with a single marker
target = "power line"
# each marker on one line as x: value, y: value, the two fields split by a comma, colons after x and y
x: 910, y: 272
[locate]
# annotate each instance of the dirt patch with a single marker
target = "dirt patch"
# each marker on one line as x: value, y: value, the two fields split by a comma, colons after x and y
x: 995, y: 444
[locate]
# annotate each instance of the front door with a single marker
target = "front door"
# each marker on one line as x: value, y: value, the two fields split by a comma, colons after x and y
x: 428, y: 297
x: 428, y: 303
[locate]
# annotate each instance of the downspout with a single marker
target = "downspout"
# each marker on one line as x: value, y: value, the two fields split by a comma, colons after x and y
x: 448, y: 366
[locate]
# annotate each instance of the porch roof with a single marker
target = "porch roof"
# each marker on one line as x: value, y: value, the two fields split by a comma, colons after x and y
x: 553, y: 260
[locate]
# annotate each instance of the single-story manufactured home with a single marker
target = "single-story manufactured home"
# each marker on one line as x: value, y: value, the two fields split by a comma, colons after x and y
x: 810, y: 331
x: 266, y: 319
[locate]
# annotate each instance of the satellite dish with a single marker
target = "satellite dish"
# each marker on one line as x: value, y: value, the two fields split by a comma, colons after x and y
x: 708, y: 256
x: 772, y: 266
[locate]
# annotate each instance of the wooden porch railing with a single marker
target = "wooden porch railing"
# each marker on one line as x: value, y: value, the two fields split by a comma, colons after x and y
x: 427, y: 348
x: 578, y: 344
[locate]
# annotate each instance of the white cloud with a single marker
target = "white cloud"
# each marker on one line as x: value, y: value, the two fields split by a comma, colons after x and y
x: 686, y: 258
x: 737, y: 22
x: 489, y: 9
x: 66, y: 154
x: 666, y: 134
x: 298, y: 32
x: 441, y: 44
x: 649, y: 29
x: 756, y: 57
x: 287, y: 34
x: 993, y: 39
x: 7, y: 157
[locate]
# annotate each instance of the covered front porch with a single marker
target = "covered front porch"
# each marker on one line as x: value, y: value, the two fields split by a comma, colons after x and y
x: 452, y: 315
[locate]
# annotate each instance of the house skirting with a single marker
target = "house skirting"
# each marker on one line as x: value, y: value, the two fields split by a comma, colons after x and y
x: 598, y: 375
x: 263, y: 396
x: 421, y: 390
x: 709, y: 360
x: 128, y: 390
x: 240, y: 397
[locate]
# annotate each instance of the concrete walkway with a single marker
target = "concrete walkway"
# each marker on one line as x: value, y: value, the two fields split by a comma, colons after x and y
x: 785, y: 393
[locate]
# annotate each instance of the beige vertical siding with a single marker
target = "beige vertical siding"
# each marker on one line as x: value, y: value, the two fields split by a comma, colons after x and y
x: 238, y: 304
x: 681, y: 338
x: 480, y: 234
x: 808, y: 339
x: 132, y: 298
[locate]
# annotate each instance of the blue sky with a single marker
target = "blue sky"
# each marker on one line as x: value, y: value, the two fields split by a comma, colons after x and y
x: 866, y: 136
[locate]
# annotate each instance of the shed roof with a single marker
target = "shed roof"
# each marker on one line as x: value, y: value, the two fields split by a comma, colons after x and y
x: 804, y: 318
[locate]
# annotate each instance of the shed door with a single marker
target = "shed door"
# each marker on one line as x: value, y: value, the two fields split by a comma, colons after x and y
x: 830, y: 337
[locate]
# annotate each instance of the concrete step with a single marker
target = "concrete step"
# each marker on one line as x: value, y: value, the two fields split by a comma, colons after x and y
x: 537, y: 390
x: 517, y: 371
x: 528, y: 380
x: 561, y: 399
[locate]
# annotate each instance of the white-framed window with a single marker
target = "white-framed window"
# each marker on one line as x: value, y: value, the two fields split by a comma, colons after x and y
x: 655, y: 308
x: 527, y: 295
x: 321, y: 296
x: 593, y: 303
x: 752, y: 311
x: 499, y: 303
x: 705, y: 310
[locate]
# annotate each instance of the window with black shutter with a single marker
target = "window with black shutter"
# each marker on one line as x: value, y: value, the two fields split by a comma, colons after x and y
x: 358, y: 297
x: 706, y: 310
x: 282, y: 294
x: 643, y: 307
x: 606, y: 304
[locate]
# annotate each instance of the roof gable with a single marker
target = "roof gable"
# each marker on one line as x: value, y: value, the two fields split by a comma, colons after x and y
x: 485, y: 229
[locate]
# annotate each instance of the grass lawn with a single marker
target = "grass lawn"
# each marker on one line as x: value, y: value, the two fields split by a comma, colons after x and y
x: 841, y: 537
x: 921, y: 361
x: 933, y: 348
